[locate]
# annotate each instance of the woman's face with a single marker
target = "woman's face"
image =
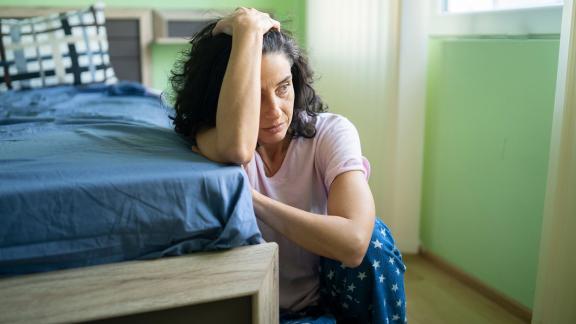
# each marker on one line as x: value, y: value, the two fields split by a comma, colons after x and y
x: 277, y: 98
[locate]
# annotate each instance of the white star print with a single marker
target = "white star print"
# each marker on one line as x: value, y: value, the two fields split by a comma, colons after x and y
x: 383, y: 232
x: 330, y: 274
x: 391, y: 260
x: 376, y: 264
x: 349, y: 297
x: 377, y: 244
x: 362, y: 275
x: 351, y: 287
x: 399, y: 303
x: 395, y: 317
x: 397, y: 271
x: 394, y: 287
x: 342, y: 266
x: 381, y: 278
x: 344, y: 305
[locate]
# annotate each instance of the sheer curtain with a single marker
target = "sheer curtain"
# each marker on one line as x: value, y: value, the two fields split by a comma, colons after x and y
x: 555, y: 295
x: 354, y: 49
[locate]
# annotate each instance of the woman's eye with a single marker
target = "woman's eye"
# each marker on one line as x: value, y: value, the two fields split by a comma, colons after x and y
x: 283, y: 89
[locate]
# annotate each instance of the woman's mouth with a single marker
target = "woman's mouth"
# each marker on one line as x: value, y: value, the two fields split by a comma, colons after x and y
x: 274, y: 129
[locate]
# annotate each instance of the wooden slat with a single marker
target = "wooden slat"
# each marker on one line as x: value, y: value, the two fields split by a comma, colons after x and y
x: 141, y: 286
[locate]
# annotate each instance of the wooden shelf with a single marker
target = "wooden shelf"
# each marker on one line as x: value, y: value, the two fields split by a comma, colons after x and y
x: 171, y: 41
x: 176, y: 26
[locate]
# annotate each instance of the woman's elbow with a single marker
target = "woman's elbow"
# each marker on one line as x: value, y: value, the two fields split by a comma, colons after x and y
x: 355, y: 255
x: 353, y: 262
x: 238, y: 154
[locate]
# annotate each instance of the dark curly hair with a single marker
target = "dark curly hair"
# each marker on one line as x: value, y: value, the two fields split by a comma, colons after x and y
x: 197, y: 78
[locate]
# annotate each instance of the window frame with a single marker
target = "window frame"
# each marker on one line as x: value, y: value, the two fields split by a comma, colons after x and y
x: 542, y: 20
x: 444, y: 7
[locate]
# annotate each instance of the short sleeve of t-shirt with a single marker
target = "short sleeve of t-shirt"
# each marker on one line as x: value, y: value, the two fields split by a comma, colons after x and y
x: 338, y: 149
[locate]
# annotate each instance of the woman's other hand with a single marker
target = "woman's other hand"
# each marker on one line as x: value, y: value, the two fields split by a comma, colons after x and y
x: 245, y: 19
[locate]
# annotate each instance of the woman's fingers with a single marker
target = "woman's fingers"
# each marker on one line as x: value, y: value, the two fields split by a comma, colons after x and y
x: 274, y: 24
x: 245, y: 18
x: 224, y: 25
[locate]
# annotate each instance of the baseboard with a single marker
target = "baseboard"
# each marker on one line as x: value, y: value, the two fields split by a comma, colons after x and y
x: 506, y: 302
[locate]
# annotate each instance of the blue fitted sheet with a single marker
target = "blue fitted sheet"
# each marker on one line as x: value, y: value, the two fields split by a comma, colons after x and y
x: 96, y: 175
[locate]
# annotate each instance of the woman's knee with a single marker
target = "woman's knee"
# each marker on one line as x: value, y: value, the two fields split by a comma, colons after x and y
x: 378, y: 280
x: 382, y: 251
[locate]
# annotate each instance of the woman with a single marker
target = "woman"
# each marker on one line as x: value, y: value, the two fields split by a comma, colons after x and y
x: 244, y: 96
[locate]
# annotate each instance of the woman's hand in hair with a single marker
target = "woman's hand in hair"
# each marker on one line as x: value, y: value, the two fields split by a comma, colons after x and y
x: 245, y: 19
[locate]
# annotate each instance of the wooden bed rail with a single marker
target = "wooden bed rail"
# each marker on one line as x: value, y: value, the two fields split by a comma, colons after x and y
x: 232, y: 286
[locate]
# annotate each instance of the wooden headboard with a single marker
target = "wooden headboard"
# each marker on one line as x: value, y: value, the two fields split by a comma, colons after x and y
x: 130, y: 34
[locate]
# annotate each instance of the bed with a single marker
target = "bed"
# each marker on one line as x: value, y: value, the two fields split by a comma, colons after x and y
x: 107, y: 215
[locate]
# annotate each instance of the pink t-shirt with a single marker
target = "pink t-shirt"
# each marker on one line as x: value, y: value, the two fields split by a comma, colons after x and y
x: 303, y: 181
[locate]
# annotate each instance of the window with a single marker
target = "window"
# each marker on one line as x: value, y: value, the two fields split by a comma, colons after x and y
x: 502, y: 18
x: 460, y: 6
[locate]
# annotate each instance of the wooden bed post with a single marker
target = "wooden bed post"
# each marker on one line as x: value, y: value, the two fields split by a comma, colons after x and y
x: 265, y: 304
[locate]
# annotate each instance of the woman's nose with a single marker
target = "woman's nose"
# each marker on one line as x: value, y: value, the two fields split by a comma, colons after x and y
x: 271, y: 108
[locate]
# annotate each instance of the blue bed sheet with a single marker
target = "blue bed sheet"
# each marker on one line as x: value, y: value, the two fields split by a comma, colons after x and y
x: 96, y: 175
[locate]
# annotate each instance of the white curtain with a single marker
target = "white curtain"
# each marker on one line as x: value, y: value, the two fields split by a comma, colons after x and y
x: 555, y: 295
x: 354, y: 48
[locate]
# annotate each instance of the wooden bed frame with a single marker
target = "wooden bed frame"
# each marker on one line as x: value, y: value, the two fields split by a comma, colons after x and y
x: 233, y: 286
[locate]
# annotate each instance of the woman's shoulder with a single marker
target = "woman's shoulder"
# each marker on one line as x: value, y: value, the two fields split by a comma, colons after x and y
x: 329, y: 122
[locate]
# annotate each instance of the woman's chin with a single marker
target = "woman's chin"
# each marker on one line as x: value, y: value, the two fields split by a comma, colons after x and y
x: 271, y: 139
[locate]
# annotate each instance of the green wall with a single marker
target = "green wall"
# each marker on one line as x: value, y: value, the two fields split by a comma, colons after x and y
x: 290, y: 12
x: 488, y: 122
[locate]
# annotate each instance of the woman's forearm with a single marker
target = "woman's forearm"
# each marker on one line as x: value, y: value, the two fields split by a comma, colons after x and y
x: 330, y: 236
x: 238, y: 114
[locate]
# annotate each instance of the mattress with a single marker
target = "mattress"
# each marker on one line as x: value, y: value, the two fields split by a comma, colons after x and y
x: 95, y: 174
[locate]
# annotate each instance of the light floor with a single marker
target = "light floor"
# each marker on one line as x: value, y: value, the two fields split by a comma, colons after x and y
x: 434, y: 297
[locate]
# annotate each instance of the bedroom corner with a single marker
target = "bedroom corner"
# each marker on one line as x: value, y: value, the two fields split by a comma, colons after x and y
x: 465, y: 110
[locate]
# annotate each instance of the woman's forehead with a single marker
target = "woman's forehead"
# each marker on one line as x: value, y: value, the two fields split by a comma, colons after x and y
x: 276, y: 68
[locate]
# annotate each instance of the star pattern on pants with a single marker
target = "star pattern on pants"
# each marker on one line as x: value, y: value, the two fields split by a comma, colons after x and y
x: 384, y: 266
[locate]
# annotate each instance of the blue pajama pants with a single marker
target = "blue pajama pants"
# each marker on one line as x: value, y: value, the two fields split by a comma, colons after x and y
x: 373, y: 292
